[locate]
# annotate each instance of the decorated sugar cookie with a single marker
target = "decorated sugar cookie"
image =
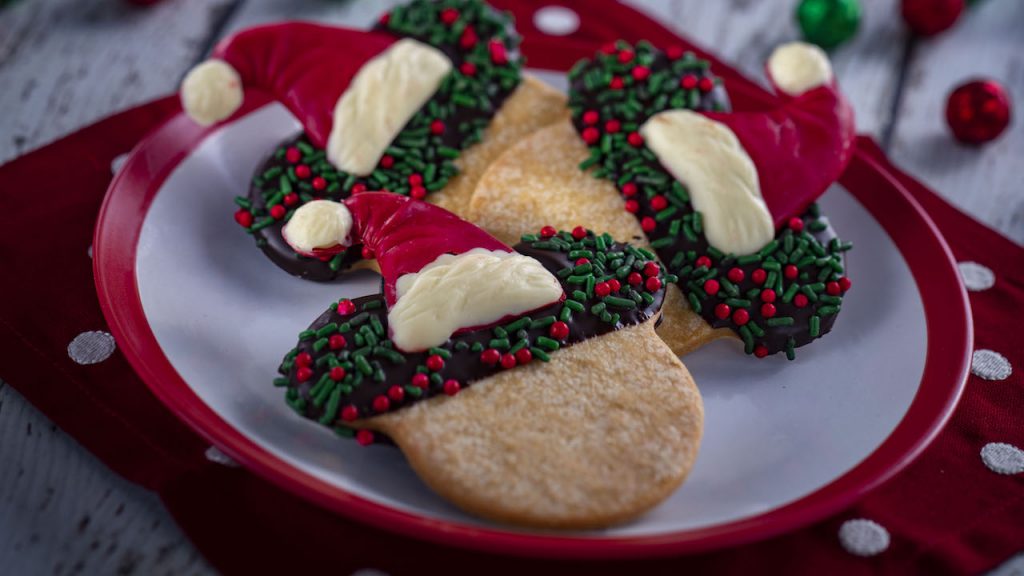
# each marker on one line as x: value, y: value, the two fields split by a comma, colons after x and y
x: 725, y: 199
x: 525, y: 385
x: 418, y: 107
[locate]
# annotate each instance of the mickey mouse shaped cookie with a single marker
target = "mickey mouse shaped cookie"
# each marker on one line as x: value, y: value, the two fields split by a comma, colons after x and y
x: 524, y: 385
x: 418, y: 107
x: 725, y: 199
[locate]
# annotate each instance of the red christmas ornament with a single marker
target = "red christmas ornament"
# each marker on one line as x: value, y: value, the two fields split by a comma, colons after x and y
x: 978, y: 111
x: 929, y: 17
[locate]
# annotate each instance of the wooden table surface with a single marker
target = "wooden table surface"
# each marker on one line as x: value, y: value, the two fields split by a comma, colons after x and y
x: 67, y: 63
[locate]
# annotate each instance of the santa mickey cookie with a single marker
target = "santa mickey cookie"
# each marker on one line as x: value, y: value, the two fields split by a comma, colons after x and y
x: 524, y: 385
x: 725, y: 199
x: 419, y: 106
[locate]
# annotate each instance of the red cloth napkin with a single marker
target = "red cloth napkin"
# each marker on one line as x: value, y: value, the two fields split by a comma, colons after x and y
x: 958, y: 509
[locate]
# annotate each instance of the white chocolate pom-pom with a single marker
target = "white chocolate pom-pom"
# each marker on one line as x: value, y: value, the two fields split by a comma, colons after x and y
x: 797, y: 67
x: 211, y: 92
x: 318, y: 224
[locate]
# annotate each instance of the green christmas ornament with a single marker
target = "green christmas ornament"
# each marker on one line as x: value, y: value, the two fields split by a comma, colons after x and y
x: 828, y: 23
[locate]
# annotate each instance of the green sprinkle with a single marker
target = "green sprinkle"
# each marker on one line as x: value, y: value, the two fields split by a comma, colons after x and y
x: 500, y: 343
x: 548, y: 343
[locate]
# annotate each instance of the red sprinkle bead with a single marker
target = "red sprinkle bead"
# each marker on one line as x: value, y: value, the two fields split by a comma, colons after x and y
x: 468, y: 69
x: 559, y: 331
x: 508, y: 361
x: 304, y: 373
x: 452, y: 387
x: 490, y: 356
x: 590, y: 117
x: 468, y: 38
x: 420, y: 380
x: 437, y: 127
x: 359, y: 187
x: 759, y: 276
x: 293, y: 155
x: 740, y: 317
x: 579, y: 232
x: 415, y: 179
x: 659, y: 203
x: 760, y: 351
x: 635, y: 139
x: 641, y: 72
x: 625, y: 56
x: 845, y: 284
x: 652, y: 269
x: 349, y: 413
x: 591, y: 135
x: 367, y: 253
x: 548, y: 231
x: 722, y: 311
x: 833, y: 288
x: 768, y: 295
x: 615, y: 83
x: 277, y: 211
x: 364, y: 437
x: 653, y: 284
x: 735, y: 275
x: 688, y: 82
x: 602, y: 289
x: 381, y: 403
x: 674, y: 52
x: 303, y: 171
x: 614, y: 285
x: 449, y: 15
x: 384, y: 18
x: 612, y: 126
x: 609, y: 48
x: 706, y: 84
x: 629, y: 189
x: 336, y: 342
x: 582, y: 261
x: 319, y: 183
x: 418, y: 192
x: 632, y: 206
x: 396, y: 393
x: 711, y: 286
x: 634, y: 279
x: 346, y: 307
x: 648, y: 224
x: 244, y: 218
x: 292, y: 199
x: 796, y: 224
x: 337, y: 373
x: 800, y: 300
x: 385, y: 162
x: 703, y: 261
x: 524, y: 356
x: 498, y: 54
x: 790, y: 272
x: 767, y: 309
x: 303, y: 359
x: 435, y: 362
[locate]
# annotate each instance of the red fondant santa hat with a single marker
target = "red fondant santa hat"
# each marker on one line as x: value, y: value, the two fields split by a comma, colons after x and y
x: 804, y: 145
x: 441, y: 273
x: 749, y: 173
x: 370, y: 82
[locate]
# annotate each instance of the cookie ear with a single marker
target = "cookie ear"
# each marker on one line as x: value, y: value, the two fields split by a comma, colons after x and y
x: 801, y: 147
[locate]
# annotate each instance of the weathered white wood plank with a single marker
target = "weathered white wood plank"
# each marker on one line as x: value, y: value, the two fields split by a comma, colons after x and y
x: 987, y: 182
x: 66, y: 63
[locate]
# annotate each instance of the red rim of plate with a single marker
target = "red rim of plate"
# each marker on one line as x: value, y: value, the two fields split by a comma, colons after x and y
x: 950, y: 338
